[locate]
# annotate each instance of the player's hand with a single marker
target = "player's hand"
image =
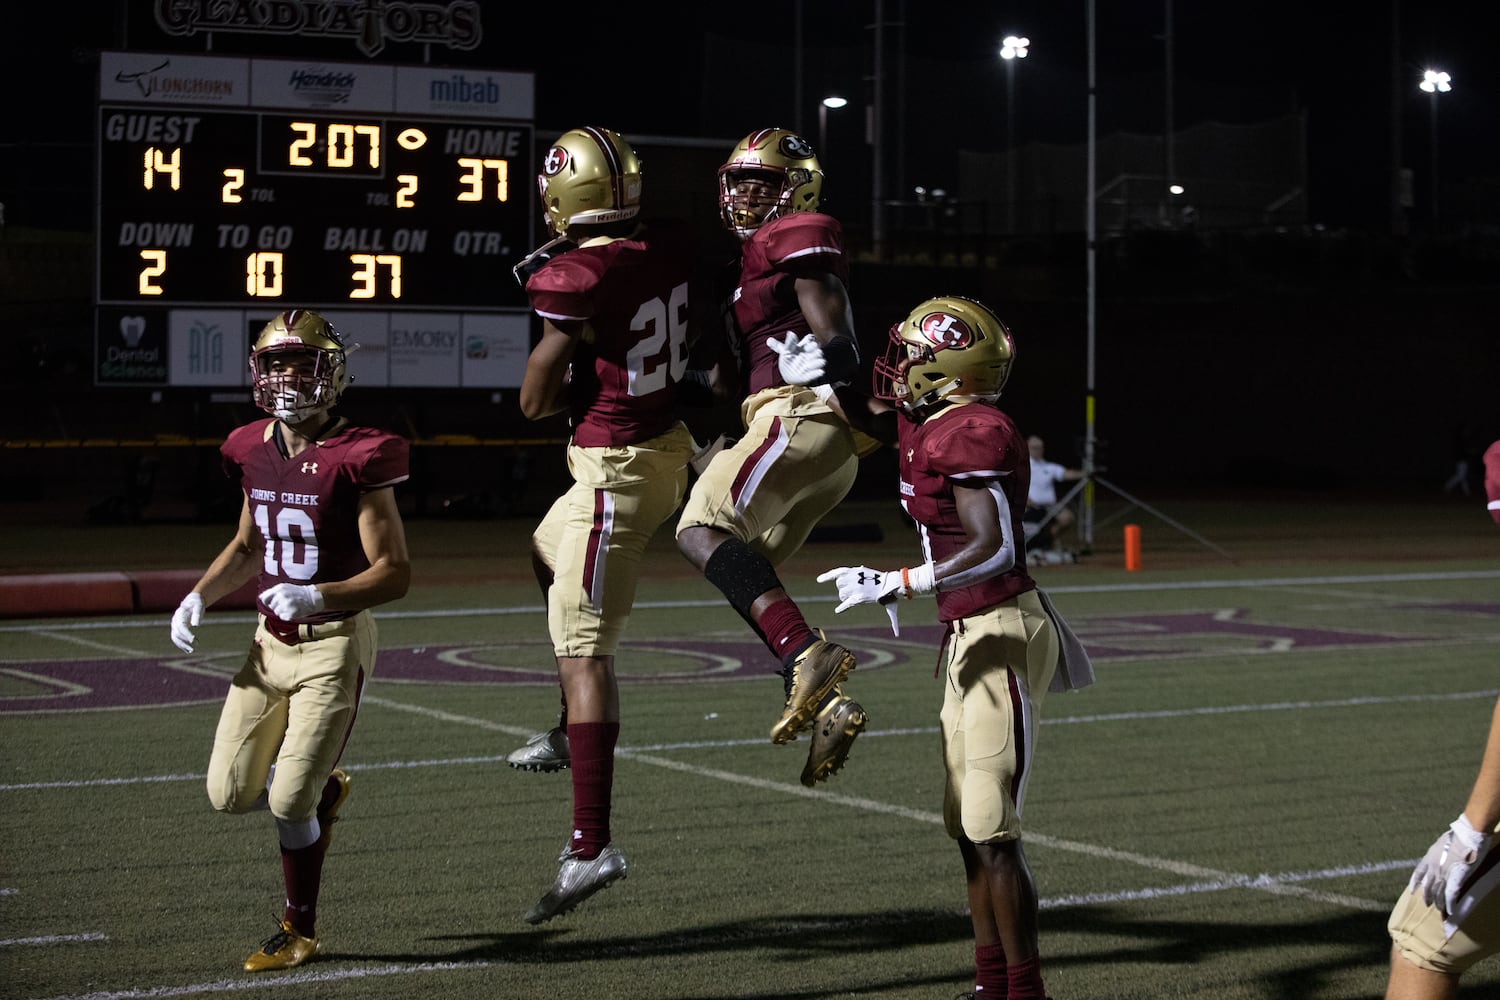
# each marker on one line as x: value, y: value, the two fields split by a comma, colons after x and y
x: 1441, y: 874
x: 862, y: 585
x: 188, y: 616
x: 799, y: 359
x: 290, y: 601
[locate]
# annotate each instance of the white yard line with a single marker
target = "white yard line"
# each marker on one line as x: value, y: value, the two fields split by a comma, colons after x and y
x: 395, y: 614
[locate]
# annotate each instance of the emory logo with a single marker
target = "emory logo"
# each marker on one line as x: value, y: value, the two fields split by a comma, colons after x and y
x: 944, y: 331
x: 555, y: 160
x: 311, y: 467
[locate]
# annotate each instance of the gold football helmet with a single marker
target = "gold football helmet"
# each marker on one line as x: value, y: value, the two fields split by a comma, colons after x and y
x: 298, y: 366
x: 589, y: 175
x: 945, y: 345
x: 771, y: 173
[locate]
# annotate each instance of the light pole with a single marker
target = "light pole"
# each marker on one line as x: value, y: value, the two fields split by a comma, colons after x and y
x: 828, y: 102
x: 1435, y: 82
x: 1012, y: 47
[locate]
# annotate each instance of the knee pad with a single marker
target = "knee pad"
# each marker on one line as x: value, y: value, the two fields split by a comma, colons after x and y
x: 741, y: 573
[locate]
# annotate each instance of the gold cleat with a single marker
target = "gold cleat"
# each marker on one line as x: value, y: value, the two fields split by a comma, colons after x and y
x: 819, y: 669
x: 837, y: 724
x: 285, y: 949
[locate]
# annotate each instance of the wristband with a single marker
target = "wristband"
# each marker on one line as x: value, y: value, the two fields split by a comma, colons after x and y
x: 841, y: 359
x: 918, y: 580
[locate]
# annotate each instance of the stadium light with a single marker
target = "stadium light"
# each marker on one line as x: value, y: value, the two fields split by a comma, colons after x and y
x: 828, y: 102
x: 1012, y: 47
x: 1435, y: 82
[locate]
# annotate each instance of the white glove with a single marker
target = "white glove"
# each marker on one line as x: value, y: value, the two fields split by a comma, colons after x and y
x: 1441, y: 873
x: 800, y: 360
x: 863, y: 585
x: 289, y: 601
x: 188, y: 616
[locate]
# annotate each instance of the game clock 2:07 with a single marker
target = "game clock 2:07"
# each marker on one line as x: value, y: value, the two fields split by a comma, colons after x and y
x: 205, y: 206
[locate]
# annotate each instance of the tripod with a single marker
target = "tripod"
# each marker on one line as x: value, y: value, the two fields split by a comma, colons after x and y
x: 1086, y: 522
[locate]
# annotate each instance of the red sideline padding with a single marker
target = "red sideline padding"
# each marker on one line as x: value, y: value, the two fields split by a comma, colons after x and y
x: 48, y: 594
x: 164, y: 589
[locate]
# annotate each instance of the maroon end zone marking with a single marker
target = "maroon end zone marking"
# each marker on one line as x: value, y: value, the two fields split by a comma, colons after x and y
x: 145, y: 683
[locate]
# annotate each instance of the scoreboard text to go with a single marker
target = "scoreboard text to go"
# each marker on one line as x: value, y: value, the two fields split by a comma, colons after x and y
x: 218, y: 206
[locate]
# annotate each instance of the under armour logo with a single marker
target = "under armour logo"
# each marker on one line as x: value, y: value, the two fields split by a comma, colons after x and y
x: 310, y: 467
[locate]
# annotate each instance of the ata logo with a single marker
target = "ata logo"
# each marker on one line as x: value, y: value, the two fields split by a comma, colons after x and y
x: 944, y: 331
x: 311, y: 467
x: 554, y: 161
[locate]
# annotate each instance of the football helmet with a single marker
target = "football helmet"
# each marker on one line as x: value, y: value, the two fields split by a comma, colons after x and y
x: 945, y: 345
x: 589, y: 175
x: 786, y: 166
x: 298, y: 365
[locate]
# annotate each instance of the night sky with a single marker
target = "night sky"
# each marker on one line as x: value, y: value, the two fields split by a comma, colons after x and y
x: 719, y: 71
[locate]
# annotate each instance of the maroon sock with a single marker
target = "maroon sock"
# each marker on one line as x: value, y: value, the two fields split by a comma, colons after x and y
x: 302, y: 870
x: 593, y: 754
x: 785, y: 630
x: 1025, y: 980
x: 989, y: 971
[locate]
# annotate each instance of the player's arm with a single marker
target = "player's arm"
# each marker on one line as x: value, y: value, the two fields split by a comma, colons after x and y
x: 544, y: 385
x: 990, y: 551
x: 236, y: 565
x: 824, y: 302
x: 1483, y: 807
x: 991, y: 547
x: 383, y: 537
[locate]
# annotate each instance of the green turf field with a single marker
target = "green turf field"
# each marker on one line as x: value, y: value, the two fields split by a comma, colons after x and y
x: 1229, y: 813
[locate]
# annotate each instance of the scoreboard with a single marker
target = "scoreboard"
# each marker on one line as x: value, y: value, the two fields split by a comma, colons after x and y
x: 393, y: 199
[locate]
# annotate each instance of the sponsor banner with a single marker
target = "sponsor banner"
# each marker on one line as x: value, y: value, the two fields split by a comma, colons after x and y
x: 369, y: 363
x: 473, y: 93
x: 207, y: 347
x: 424, y: 348
x: 288, y: 83
x: 130, y: 346
x: 173, y: 79
x: 495, y: 349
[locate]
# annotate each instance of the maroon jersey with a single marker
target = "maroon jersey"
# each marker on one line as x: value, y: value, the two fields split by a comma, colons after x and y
x: 307, y: 507
x: 977, y: 445
x: 764, y: 304
x: 1492, y: 479
x: 634, y: 296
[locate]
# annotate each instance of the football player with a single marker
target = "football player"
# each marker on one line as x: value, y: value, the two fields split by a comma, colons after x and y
x: 612, y: 295
x: 964, y: 471
x: 791, y: 333
x: 320, y: 527
x: 1449, y: 916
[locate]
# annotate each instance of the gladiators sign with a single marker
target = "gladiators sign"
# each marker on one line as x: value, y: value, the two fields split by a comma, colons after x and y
x: 367, y: 23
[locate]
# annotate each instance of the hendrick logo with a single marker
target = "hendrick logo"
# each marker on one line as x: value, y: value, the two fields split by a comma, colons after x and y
x: 322, y: 86
x: 369, y: 24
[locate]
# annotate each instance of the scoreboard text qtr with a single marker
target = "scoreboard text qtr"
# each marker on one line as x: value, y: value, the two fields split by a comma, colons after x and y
x: 254, y: 207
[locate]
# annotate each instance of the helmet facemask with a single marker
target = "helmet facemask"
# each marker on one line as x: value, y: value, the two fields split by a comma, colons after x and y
x: 770, y: 174
x: 298, y: 366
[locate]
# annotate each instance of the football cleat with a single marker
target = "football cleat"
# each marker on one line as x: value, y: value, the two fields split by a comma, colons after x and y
x: 285, y: 949
x: 833, y: 734
x: 577, y: 880
x: 547, y: 751
x: 817, y: 670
